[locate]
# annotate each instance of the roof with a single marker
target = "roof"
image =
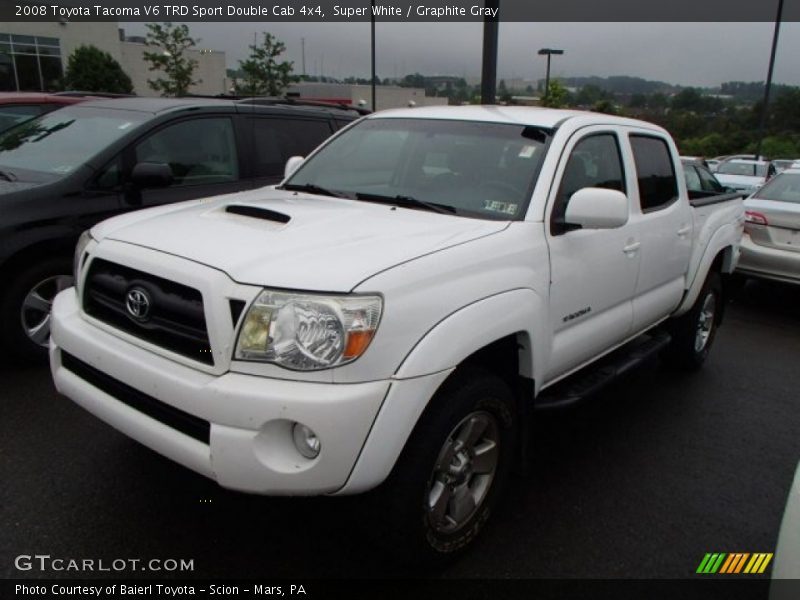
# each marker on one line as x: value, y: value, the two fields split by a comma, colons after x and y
x: 37, y: 98
x: 161, y: 105
x: 536, y: 116
x: 157, y: 105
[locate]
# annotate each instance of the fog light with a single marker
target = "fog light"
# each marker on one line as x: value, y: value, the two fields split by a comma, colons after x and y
x: 306, y: 441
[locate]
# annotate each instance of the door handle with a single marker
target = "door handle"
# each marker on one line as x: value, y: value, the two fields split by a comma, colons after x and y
x: 683, y: 231
x: 631, y: 248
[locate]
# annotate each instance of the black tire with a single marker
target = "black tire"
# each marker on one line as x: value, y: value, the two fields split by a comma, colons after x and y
x: 48, y: 276
x: 693, y: 333
x: 421, y: 536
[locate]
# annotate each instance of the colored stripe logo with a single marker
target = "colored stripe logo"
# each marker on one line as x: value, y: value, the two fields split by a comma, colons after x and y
x: 734, y: 563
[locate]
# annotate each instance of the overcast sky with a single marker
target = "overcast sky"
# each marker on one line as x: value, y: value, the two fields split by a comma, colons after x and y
x: 699, y: 54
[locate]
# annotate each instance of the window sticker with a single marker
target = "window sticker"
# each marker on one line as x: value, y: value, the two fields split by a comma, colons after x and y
x: 527, y: 151
x: 507, y: 208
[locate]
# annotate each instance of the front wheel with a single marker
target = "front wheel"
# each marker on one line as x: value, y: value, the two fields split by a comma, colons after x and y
x: 449, y: 477
x: 25, y: 308
x: 693, y: 333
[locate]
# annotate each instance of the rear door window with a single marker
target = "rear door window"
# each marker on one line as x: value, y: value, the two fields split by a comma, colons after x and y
x: 655, y: 172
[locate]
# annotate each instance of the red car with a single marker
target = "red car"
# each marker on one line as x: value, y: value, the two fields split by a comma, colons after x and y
x: 18, y: 107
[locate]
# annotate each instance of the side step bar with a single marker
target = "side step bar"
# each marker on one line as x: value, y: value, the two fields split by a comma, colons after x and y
x: 596, y: 376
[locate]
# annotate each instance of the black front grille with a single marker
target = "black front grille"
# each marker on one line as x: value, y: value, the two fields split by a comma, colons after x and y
x: 174, y: 320
x: 190, y: 425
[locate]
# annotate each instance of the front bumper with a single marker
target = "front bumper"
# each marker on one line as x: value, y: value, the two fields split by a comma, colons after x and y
x: 248, y: 444
x: 770, y: 263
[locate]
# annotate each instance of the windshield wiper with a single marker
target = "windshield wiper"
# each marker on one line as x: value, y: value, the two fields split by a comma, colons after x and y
x: 8, y: 176
x: 313, y: 189
x: 407, y: 202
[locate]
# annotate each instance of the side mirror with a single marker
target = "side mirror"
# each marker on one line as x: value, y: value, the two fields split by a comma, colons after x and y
x: 292, y: 165
x: 597, y: 208
x: 151, y: 175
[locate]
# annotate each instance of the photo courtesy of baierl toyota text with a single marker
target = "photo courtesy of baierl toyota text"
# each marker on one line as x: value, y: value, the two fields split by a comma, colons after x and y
x: 400, y: 299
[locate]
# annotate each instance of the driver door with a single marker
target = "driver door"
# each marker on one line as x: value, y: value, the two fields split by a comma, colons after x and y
x: 593, y: 272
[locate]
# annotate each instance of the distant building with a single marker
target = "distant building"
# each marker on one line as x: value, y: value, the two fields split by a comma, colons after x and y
x: 386, y: 96
x: 33, y: 56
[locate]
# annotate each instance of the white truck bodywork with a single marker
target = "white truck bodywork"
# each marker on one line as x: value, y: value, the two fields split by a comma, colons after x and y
x: 451, y: 286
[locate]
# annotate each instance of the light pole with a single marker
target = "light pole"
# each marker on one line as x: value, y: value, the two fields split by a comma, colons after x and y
x: 372, y: 54
x: 548, y: 52
x: 489, y: 67
x: 763, y: 122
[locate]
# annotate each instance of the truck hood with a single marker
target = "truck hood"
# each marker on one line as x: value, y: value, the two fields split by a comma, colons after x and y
x: 292, y: 240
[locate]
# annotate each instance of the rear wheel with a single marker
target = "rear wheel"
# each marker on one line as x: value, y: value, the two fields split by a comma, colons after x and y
x: 693, y: 333
x: 25, y: 308
x: 449, y: 477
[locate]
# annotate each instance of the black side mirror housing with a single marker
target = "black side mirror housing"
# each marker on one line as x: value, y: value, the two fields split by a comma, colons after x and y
x: 151, y: 175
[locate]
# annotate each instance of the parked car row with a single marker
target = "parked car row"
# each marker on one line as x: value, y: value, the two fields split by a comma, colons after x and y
x: 771, y: 241
x: 64, y: 171
x: 770, y: 246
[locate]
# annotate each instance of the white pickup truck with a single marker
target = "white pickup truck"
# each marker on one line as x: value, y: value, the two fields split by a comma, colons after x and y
x: 390, y: 313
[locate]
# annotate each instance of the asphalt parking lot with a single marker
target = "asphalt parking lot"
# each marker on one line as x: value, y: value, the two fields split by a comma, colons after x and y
x: 640, y: 482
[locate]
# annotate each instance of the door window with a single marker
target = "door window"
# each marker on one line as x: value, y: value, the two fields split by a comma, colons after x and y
x: 693, y: 183
x: 199, y: 151
x: 278, y: 139
x: 708, y: 181
x: 595, y: 161
x: 654, y: 172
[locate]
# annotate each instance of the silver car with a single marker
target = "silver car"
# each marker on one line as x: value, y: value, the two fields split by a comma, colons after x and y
x: 771, y: 241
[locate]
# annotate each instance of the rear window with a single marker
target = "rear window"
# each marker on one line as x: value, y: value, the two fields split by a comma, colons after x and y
x: 783, y: 188
x: 654, y: 171
x: 744, y: 169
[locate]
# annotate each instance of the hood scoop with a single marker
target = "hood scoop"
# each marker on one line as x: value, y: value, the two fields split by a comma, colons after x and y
x: 256, y: 212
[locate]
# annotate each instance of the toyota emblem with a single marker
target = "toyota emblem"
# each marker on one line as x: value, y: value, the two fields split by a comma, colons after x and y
x: 137, y: 301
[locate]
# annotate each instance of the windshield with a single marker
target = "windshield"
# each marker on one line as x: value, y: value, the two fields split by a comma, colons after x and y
x: 482, y: 170
x: 746, y: 169
x: 784, y: 188
x: 59, y: 142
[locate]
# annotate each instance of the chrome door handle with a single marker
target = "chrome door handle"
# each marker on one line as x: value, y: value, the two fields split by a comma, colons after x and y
x: 683, y: 231
x: 631, y: 248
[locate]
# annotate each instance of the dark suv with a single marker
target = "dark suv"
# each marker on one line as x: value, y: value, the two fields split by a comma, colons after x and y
x: 63, y: 172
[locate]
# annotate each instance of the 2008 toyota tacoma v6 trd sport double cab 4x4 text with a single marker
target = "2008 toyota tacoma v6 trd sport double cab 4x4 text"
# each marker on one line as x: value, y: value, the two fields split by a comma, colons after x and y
x: 388, y: 315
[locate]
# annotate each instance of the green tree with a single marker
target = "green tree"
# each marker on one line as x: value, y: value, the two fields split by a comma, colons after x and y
x: 557, y: 96
x: 605, y: 106
x: 502, y: 92
x: 90, y: 69
x: 416, y: 80
x: 638, y: 101
x: 262, y: 73
x: 172, y: 43
x: 589, y: 95
x: 780, y: 147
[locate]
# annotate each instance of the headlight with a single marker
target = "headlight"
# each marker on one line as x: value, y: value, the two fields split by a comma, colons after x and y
x: 80, y: 247
x: 307, y: 332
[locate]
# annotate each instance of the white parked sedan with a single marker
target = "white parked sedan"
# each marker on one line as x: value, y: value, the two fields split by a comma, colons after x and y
x: 771, y: 244
x: 744, y: 175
